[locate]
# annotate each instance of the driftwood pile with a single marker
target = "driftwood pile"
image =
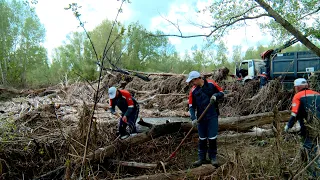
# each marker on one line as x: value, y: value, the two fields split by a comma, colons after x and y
x: 48, y: 129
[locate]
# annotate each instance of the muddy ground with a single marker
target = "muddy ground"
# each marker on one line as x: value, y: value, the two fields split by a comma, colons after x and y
x: 43, y: 133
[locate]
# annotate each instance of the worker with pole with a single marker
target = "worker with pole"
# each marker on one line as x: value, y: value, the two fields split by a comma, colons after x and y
x: 205, y: 93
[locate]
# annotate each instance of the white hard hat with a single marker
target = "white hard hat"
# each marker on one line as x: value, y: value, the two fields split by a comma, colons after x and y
x: 264, y: 73
x: 300, y: 82
x: 193, y: 75
x: 112, y: 92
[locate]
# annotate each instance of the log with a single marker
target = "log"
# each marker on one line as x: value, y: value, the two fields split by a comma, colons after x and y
x: 134, y: 164
x: 245, y: 123
x: 157, y: 131
x: 239, y: 124
x: 143, y: 123
x: 195, y: 173
x: 261, y: 133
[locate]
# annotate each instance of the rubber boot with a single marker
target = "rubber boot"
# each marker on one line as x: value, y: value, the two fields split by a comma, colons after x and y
x: 202, y: 153
x: 212, y: 152
x: 123, y: 130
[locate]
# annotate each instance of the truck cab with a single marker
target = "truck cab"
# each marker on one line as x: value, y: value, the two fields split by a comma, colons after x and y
x: 249, y: 69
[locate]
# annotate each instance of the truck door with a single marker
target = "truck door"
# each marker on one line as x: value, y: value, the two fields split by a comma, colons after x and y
x: 243, y: 69
x: 251, y: 73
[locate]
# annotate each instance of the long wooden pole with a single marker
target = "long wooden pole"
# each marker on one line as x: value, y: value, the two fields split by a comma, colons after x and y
x: 173, y: 154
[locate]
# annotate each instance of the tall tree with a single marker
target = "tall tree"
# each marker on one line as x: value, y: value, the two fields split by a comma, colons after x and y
x: 21, y: 38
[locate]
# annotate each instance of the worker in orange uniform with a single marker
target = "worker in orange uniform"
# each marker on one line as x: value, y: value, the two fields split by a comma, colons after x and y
x: 129, y: 110
x: 306, y: 110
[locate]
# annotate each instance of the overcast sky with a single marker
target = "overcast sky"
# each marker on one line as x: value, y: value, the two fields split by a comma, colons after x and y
x: 59, y: 22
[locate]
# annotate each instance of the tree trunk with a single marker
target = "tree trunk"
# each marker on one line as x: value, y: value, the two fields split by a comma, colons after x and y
x: 296, y: 33
x: 195, y: 173
x: 2, y: 74
x: 245, y: 123
x: 134, y: 164
x: 240, y: 124
x: 156, y: 131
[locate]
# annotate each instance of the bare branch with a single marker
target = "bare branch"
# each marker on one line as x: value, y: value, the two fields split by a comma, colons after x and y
x: 239, y: 15
x: 216, y: 28
x: 309, y: 14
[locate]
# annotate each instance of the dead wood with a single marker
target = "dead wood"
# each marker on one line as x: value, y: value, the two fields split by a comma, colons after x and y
x: 43, y: 111
x: 257, y: 133
x: 134, y: 164
x: 195, y: 173
x: 143, y: 123
x: 54, y: 174
x: 156, y: 74
x: 154, y: 96
x: 157, y: 131
x: 245, y: 123
x: 11, y: 91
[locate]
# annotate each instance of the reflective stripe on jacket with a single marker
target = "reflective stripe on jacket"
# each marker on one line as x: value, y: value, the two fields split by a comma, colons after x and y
x: 125, y: 102
x: 199, y: 98
x: 305, y: 103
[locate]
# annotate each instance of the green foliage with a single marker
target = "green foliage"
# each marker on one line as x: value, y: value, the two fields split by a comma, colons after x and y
x: 300, y: 13
x: 228, y: 15
x: 7, y: 129
x: 21, y: 38
x: 75, y: 59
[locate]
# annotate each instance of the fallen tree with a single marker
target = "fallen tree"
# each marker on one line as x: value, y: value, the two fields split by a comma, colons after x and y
x: 245, y: 123
x: 159, y: 130
x: 195, y: 173
x: 239, y: 124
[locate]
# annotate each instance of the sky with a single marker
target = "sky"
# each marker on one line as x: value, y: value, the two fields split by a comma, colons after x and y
x: 151, y: 14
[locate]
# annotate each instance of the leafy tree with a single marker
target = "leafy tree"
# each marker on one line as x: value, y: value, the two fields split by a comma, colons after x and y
x: 75, y: 58
x: 21, y: 38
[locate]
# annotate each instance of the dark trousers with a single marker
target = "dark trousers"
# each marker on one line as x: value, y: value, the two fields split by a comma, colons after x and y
x: 309, y: 152
x: 130, y: 126
x: 208, y: 132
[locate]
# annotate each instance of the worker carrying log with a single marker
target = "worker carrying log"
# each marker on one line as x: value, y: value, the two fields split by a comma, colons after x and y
x: 306, y: 109
x: 129, y: 110
x: 204, y: 92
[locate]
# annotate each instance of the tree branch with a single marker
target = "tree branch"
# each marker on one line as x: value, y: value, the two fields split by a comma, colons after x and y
x: 216, y: 28
x: 289, y: 27
x: 309, y: 14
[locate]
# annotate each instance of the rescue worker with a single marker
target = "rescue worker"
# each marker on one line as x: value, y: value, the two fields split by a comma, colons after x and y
x: 201, y: 94
x: 306, y: 109
x: 263, y: 79
x: 129, y: 110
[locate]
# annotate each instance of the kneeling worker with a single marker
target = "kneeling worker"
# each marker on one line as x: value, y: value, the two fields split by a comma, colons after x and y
x: 129, y: 110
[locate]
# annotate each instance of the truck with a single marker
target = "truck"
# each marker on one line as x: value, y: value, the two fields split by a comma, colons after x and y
x: 285, y: 66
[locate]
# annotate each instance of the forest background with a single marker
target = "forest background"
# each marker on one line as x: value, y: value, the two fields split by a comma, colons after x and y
x: 24, y: 61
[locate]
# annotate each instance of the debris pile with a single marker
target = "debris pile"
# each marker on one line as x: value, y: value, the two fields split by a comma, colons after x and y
x: 51, y: 131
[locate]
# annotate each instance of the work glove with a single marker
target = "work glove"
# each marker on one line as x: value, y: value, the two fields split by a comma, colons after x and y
x: 124, y: 119
x: 213, y: 99
x: 286, y: 128
x: 195, y: 123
